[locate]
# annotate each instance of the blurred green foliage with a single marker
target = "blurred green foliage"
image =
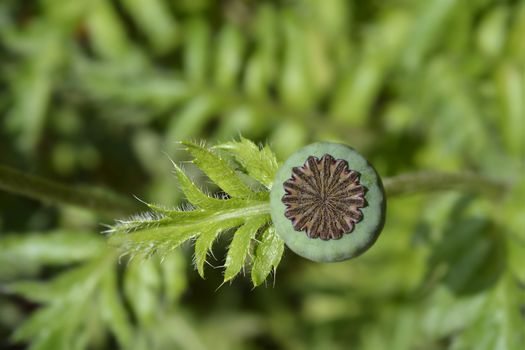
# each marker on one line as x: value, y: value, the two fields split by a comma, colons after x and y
x: 95, y: 91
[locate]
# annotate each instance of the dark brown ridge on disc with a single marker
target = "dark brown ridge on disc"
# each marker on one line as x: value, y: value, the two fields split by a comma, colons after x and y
x: 324, y: 197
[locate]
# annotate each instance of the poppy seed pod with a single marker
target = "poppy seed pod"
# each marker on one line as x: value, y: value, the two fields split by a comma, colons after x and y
x: 328, y: 203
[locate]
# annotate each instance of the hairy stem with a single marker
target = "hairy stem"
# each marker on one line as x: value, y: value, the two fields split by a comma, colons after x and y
x: 45, y: 190
x: 436, y: 181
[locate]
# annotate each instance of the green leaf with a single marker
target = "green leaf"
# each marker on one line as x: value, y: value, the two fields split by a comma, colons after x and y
x: 107, y: 33
x: 113, y: 312
x: 32, y: 89
x: 196, y: 197
x: 240, y: 246
x: 55, y: 339
x: 141, y: 287
x: 163, y: 230
x: 429, y: 22
x: 510, y: 90
x: 197, y: 43
x: 154, y: 239
x: 162, y: 31
x: 206, y: 239
x: 261, y: 66
x: 471, y: 254
x: 26, y: 254
x: 229, y: 52
x: 48, y: 292
x: 268, y: 255
x: 69, y: 298
x: 146, y: 221
x: 173, y: 270
x: 55, y: 326
x: 180, y: 217
x: 500, y: 323
x: 158, y: 235
x: 219, y: 171
x: 261, y: 164
x: 191, y: 120
x: 295, y: 81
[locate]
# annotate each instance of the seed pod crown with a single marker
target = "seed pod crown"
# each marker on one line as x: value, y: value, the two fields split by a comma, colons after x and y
x: 324, y: 198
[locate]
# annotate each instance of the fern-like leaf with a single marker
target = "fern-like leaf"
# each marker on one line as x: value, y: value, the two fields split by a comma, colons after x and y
x: 260, y: 163
x: 199, y: 199
x: 219, y: 171
x: 243, y: 212
x: 268, y: 256
x: 206, y: 239
x: 240, y: 246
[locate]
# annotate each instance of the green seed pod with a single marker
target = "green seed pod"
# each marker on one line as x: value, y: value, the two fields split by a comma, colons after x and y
x: 328, y: 203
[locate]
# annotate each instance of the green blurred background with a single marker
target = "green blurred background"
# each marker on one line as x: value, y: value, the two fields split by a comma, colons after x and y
x: 97, y: 92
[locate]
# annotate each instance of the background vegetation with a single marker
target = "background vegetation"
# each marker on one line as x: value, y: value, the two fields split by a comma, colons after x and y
x: 95, y: 93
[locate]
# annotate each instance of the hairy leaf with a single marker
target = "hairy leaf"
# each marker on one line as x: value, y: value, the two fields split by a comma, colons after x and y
x: 260, y: 164
x: 163, y: 230
x: 240, y: 246
x: 268, y: 255
x: 196, y: 197
x: 219, y: 171
x: 155, y: 239
x: 206, y: 238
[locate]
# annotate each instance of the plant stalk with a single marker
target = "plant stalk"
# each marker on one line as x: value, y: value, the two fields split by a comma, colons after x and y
x: 437, y: 181
x: 98, y: 200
